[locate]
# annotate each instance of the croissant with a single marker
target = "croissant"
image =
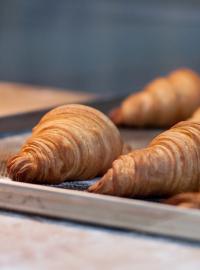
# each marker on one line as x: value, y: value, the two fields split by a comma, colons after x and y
x: 163, y: 102
x: 168, y: 166
x: 195, y: 116
x: 69, y: 142
x: 186, y: 200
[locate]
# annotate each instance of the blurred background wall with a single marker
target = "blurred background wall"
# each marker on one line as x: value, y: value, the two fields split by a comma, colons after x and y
x: 97, y: 45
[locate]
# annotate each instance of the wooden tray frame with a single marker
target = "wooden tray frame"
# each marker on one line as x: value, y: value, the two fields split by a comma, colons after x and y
x: 139, y: 215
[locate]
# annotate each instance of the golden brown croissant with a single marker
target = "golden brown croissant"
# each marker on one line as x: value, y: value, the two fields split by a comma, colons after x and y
x: 163, y: 102
x: 169, y: 165
x: 69, y: 142
x: 195, y: 116
x: 186, y: 200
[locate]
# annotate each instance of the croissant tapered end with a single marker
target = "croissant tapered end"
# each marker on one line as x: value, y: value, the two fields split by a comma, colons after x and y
x: 185, y: 200
x: 131, y: 110
x: 21, y: 167
x: 116, y: 116
x: 104, y: 186
x: 168, y: 166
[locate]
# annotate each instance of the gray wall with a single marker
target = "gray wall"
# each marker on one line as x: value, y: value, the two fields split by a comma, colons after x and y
x: 102, y: 46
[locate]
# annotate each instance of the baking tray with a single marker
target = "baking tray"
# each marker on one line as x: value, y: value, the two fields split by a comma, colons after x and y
x: 62, y: 201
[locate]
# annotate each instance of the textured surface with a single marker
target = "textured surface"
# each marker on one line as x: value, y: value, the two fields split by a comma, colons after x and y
x: 163, y: 102
x: 168, y: 166
x: 70, y: 142
x: 11, y: 145
x: 34, y: 243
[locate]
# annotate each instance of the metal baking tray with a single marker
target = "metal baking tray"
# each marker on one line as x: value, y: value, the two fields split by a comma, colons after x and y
x: 62, y: 201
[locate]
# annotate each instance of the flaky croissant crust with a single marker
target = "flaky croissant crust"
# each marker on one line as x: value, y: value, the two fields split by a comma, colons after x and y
x: 70, y: 142
x: 169, y: 165
x: 163, y: 102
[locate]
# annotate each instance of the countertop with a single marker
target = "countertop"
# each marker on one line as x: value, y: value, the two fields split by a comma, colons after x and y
x: 29, y: 242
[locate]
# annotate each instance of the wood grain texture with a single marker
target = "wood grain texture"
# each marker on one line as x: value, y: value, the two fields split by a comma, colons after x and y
x: 37, y: 243
x: 98, y: 209
x: 18, y: 98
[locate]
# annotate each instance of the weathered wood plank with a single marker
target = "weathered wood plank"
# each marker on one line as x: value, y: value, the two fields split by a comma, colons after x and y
x: 99, y: 209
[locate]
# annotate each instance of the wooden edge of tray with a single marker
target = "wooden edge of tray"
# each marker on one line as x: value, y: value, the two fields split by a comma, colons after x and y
x: 100, y: 209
